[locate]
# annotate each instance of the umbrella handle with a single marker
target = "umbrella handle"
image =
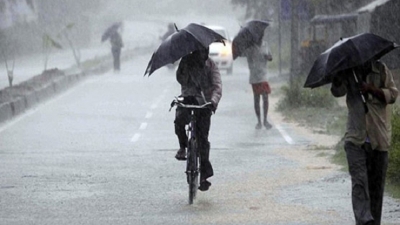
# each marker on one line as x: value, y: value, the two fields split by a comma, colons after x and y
x: 176, y: 28
x: 362, y: 96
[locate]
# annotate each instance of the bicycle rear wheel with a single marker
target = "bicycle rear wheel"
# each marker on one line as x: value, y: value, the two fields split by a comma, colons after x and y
x: 192, y: 171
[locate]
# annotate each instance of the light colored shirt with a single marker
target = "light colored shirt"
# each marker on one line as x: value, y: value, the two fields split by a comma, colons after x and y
x: 257, y: 62
x: 374, y: 126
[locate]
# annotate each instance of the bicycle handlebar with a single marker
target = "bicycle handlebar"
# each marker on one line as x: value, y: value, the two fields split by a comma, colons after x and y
x: 180, y: 104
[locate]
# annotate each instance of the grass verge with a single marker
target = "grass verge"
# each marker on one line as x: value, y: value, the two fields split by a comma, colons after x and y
x: 317, y: 110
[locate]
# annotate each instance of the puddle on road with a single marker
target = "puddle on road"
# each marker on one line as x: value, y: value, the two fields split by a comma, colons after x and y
x: 318, y: 167
x: 250, y: 144
x: 7, y: 187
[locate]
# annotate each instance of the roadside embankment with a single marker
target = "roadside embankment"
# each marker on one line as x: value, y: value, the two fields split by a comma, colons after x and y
x: 17, y: 99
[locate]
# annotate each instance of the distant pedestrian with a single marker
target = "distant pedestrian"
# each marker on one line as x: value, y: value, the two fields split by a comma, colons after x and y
x: 368, y: 135
x: 116, y: 45
x: 170, y: 30
x: 257, y: 57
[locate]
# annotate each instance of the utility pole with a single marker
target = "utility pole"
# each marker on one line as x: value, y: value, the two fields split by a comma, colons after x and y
x: 294, y: 40
x: 280, y: 36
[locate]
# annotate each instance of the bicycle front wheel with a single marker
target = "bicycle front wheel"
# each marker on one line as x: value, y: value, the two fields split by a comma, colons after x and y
x: 192, y: 169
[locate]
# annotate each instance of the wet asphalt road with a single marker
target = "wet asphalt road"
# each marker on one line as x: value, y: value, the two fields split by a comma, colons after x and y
x: 103, y: 153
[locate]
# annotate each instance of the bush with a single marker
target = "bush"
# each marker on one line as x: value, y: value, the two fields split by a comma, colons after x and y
x: 394, y: 153
x: 296, y: 96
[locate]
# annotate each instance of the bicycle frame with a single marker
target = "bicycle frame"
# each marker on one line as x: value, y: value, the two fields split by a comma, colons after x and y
x: 191, y: 130
x: 192, y: 159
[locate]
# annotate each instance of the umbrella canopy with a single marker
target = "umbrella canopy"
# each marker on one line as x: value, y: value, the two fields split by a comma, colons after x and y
x: 191, y: 38
x: 248, y: 36
x: 110, y: 30
x: 346, y: 54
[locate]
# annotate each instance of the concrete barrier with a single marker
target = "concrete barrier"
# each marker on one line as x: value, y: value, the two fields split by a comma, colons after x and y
x: 19, y: 105
x: 31, y: 99
x: 60, y: 84
x: 45, y: 92
x: 6, y: 112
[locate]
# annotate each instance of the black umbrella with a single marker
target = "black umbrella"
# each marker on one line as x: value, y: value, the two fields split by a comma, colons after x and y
x: 110, y: 30
x: 248, y: 36
x: 346, y: 54
x: 181, y: 43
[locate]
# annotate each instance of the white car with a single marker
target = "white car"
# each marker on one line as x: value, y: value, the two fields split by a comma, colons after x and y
x: 220, y: 54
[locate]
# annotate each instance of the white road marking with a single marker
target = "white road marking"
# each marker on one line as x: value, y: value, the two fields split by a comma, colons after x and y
x: 143, y: 126
x: 285, y: 135
x: 135, y: 137
x: 148, y: 115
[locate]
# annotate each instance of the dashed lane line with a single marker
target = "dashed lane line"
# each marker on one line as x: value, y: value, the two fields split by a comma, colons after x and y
x: 135, y: 137
x: 143, y: 126
x: 148, y: 115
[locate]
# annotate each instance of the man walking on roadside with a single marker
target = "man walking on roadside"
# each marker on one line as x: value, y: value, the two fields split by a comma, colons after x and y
x: 116, y: 45
x: 257, y: 57
x: 368, y: 135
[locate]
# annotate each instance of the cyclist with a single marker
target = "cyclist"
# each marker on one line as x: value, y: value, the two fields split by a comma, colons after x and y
x: 200, y: 79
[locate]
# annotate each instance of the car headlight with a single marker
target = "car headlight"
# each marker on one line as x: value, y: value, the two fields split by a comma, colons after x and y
x: 226, y: 51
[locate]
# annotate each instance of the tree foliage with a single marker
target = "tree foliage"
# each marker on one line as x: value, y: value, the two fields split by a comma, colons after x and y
x: 394, y: 153
x: 254, y: 8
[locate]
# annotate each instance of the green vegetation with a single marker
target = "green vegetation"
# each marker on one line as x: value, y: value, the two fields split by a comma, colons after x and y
x: 296, y: 96
x: 394, y: 153
x: 314, y: 108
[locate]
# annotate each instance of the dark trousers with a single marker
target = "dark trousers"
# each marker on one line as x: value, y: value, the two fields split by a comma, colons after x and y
x: 116, y: 52
x: 367, y: 169
x: 203, y: 123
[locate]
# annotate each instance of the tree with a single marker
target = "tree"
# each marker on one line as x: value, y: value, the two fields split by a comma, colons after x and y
x: 65, y: 33
x: 48, y: 44
x: 254, y: 9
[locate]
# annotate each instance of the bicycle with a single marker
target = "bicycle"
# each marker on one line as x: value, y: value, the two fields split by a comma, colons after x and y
x: 192, y: 155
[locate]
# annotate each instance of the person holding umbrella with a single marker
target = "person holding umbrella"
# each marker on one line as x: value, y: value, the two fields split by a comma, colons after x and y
x: 368, y: 135
x: 170, y: 30
x: 198, y: 76
x: 200, y: 82
x: 116, y: 43
x: 250, y: 44
x: 352, y: 65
